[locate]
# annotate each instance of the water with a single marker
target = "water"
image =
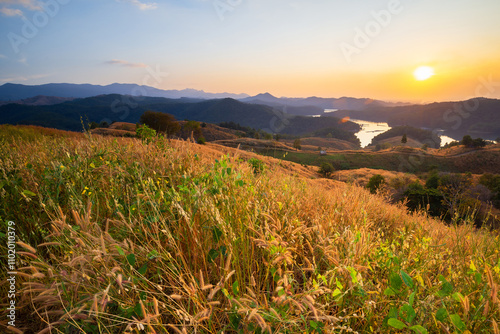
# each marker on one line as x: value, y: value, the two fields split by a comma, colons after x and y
x: 446, y: 140
x: 369, y: 130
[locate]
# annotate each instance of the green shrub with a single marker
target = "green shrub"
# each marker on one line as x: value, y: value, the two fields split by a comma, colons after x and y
x: 257, y: 165
x: 201, y: 140
x: 375, y: 182
x: 326, y: 169
x: 145, y: 133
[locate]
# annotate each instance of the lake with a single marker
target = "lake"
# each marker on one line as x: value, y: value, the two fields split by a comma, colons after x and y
x: 371, y: 129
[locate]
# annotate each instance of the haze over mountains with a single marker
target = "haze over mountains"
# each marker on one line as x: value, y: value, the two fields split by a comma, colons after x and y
x: 62, y: 106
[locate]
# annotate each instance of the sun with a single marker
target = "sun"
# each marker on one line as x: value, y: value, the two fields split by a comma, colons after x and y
x: 423, y: 73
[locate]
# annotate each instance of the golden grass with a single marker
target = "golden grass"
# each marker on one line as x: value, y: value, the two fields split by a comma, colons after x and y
x: 122, y: 236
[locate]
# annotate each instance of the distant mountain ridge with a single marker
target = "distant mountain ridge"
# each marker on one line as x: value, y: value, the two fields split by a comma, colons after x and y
x: 350, y: 103
x: 114, y: 107
x: 13, y: 92
x: 10, y: 92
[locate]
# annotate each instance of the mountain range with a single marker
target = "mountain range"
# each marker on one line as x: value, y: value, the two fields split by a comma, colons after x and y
x: 12, y: 92
x: 109, y: 108
x: 298, y: 106
x: 43, y: 104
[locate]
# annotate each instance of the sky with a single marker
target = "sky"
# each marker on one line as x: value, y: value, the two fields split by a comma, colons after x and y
x: 292, y: 48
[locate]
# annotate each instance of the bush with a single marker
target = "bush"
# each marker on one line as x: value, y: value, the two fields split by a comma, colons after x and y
x: 257, y: 165
x: 375, y: 182
x: 326, y: 169
x: 431, y: 199
x: 145, y: 133
x: 201, y: 140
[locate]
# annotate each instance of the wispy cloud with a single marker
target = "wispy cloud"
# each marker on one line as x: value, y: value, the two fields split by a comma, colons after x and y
x: 142, y: 5
x: 7, y: 10
x: 124, y: 63
x: 3, y: 56
x: 28, y: 4
x: 11, y: 12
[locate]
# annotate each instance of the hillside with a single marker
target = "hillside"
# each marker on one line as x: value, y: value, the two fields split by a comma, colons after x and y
x: 476, y: 117
x: 415, y: 136
x: 116, y: 235
x: 109, y: 108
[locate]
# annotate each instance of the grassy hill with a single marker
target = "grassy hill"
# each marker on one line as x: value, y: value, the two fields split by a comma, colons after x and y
x: 115, y: 235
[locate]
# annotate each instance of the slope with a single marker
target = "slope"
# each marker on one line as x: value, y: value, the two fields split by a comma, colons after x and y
x: 119, y: 235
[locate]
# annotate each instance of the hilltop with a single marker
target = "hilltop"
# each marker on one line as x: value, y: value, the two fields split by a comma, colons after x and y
x: 119, y: 235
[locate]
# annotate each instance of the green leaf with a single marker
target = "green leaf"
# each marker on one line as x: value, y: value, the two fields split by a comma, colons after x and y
x: 446, y: 287
x: 131, y: 259
x: 396, y: 323
x: 339, y: 285
x: 407, y: 279
x: 354, y: 274
x: 457, y: 322
x: 235, y: 319
x: 216, y: 234
x: 389, y: 292
x: 408, y: 313
x: 143, y: 269
x: 336, y: 292
x: 236, y: 288
x: 418, y: 329
x: 412, y: 299
x: 395, y: 282
x: 213, y: 254
x: 138, y: 311
x: 153, y: 254
x: 28, y: 193
x: 120, y: 250
x: 442, y: 314
x: 458, y: 297
x: 393, y: 313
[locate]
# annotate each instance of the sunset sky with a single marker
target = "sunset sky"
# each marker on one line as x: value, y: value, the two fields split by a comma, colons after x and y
x: 294, y: 48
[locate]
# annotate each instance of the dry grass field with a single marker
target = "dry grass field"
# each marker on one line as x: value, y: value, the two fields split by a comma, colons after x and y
x: 118, y: 236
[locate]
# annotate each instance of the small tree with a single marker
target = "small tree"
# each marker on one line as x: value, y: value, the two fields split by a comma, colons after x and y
x: 296, y: 144
x: 277, y: 137
x: 326, y: 169
x: 467, y: 141
x: 404, y: 140
x: 161, y: 122
x: 375, y: 182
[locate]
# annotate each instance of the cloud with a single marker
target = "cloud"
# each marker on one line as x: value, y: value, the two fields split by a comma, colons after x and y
x: 6, y: 9
x: 11, y: 12
x: 28, y: 4
x: 3, y: 56
x: 141, y: 5
x: 124, y: 63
